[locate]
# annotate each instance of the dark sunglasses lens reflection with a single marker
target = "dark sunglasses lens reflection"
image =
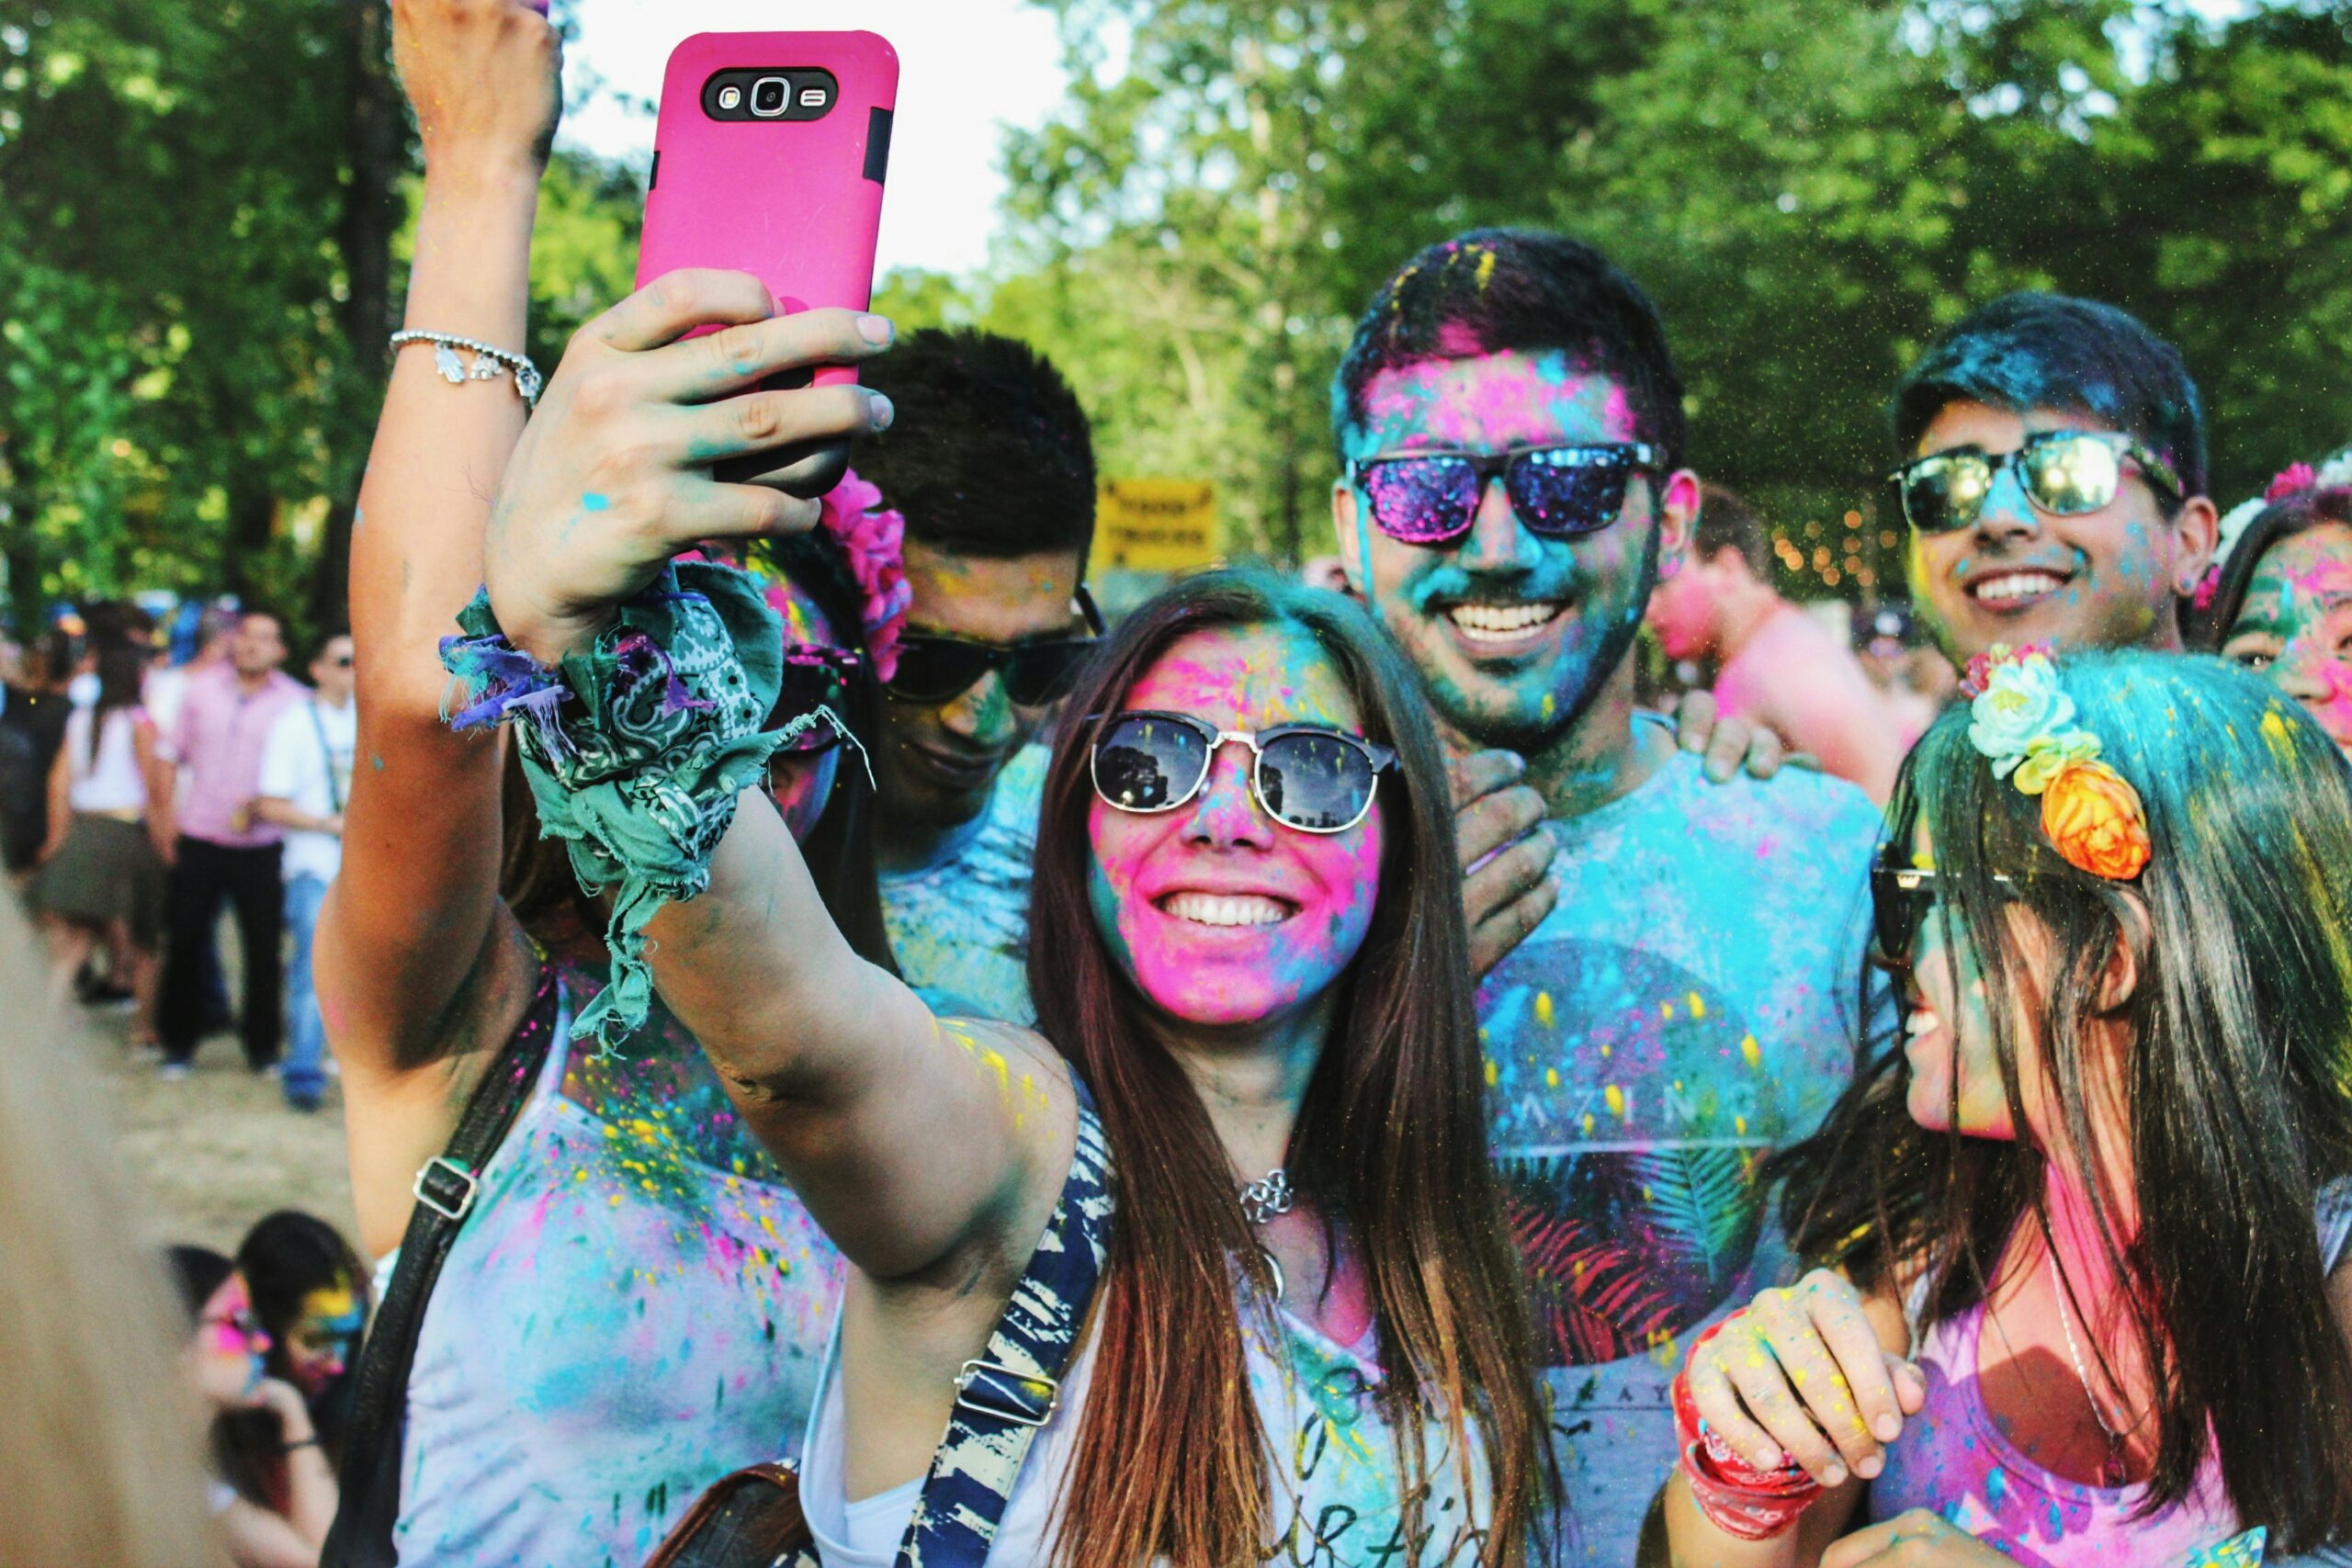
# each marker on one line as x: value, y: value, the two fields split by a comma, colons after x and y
x: 1422, y: 500
x: 937, y: 669
x: 1567, y: 492
x: 1148, y: 763
x: 1318, y: 783
x: 2072, y: 475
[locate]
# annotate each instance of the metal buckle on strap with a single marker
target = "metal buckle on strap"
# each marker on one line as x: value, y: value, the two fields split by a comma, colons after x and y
x: 1023, y: 1398
x: 451, y: 1178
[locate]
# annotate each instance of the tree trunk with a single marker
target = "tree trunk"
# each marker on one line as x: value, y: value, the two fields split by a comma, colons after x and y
x: 370, y: 218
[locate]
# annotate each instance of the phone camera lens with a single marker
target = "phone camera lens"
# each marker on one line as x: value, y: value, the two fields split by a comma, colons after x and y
x: 769, y: 96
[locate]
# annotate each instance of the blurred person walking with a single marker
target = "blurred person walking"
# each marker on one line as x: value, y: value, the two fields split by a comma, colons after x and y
x: 99, y: 1446
x: 1776, y: 665
x: 222, y: 853
x: 102, y: 870
x: 305, y: 778
x: 33, y: 711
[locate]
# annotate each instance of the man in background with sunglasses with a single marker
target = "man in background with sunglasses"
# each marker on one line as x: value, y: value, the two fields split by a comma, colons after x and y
x: 991, y: 460
x: 2053, y: 480
x: 1510, y: 425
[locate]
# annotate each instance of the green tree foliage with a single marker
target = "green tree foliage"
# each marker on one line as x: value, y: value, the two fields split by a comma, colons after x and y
x: 1810, y: 188
x: 174, y: 177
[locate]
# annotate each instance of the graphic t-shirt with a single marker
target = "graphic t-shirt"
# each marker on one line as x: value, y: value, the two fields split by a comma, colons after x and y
x: 1688, y: 1006
x: 959, y: 927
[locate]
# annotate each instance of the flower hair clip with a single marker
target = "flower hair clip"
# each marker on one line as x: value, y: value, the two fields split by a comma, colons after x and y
x: 2023, y: 722
x: 873, y: 537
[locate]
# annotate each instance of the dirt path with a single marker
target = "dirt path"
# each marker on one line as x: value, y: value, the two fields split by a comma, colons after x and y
x: 216, y: 1151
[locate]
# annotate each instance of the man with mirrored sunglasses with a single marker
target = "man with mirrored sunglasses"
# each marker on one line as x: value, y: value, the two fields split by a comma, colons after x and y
x: 990, y: 460
x: 2052, y: 479
x: 1510, y: 424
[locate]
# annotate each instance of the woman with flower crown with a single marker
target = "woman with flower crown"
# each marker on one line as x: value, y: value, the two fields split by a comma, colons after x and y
x: 2080, y: 1294
x: 635, y: 1300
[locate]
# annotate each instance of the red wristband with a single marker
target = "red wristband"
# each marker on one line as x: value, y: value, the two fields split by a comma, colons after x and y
x: 1737, y: 1497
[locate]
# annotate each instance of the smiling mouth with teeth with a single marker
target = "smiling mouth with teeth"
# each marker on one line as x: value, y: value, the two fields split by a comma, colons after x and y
x: 1228, y: 909
x: 2016, y: 587
x: 1502, y: 623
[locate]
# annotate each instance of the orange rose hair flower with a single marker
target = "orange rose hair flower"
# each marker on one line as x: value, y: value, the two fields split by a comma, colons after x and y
x: 2095, y: 820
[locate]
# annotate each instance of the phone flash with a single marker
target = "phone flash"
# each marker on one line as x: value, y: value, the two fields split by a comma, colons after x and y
x: 812, y: 97
x: 730, y: 98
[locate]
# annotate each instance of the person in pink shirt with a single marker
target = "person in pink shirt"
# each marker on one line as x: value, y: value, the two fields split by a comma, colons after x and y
x: 223, y: 851
x: 1777, y: 667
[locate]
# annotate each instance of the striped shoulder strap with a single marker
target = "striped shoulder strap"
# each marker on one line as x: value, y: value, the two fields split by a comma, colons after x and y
x: 1005, y: 1397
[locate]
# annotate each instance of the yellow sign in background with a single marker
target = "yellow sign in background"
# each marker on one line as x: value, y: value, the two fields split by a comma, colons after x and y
x: 1156, y: 525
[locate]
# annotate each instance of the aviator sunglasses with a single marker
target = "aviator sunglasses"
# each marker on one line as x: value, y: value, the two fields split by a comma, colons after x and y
x: 935, y: 668
x: 1309, y: 777
x: 2062, y: 472
x: 1561, y: 492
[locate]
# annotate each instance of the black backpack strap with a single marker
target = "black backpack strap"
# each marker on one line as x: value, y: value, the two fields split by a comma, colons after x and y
x: 370, y: 1479
x: 1005, y: 1397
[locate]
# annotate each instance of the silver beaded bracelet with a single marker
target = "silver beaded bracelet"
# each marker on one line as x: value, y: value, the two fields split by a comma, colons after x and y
x: 488, y: 361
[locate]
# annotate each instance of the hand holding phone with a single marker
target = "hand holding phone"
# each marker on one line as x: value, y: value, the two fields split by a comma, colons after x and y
x: 769, y: 157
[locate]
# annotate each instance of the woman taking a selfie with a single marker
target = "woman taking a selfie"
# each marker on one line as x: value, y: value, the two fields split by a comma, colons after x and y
x: 1247, y: 941
x: 2083, y: 1294
x: 635, y: 1300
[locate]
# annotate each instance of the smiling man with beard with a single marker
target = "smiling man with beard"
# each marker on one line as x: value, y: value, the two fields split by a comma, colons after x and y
x: 1510, y: 424
x: 2053, y: 479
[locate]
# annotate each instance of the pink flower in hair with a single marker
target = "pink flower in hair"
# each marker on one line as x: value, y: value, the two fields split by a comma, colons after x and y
x: 2293, y: 480
x: 873, y: 537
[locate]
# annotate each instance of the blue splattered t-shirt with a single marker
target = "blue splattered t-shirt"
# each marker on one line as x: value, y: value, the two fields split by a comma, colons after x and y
x: 1688, y: 1007
x: 959, y: 927
x: 636, y: 1305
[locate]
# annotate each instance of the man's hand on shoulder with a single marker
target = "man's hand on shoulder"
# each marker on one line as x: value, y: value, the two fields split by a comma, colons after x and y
x: 1730, y: 745
x: 1507, y: 887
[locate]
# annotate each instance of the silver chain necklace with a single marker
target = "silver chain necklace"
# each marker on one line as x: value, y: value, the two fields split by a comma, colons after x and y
x: 1261, y: 1199
x: 2112, y: 1473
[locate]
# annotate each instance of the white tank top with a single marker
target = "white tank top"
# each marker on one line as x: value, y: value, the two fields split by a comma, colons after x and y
x: 111, y: 780
x: 1336, y: 1485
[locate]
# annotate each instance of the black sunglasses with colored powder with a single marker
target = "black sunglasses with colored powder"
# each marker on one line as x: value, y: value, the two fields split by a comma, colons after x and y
x: 934, y: 666
x: 1562, y: 492
x: 1901, y: 898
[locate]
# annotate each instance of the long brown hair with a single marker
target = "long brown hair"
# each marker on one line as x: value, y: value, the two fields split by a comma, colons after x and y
x: 1391, y: 1141
x: 101, y: 1447
x: 2237, y: 1104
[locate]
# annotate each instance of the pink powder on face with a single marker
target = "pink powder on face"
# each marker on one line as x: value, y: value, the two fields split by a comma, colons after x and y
x: 1493, y: 402
x: 1221, y: 844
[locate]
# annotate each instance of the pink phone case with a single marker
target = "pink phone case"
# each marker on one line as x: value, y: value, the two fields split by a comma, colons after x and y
x: 795, y: 202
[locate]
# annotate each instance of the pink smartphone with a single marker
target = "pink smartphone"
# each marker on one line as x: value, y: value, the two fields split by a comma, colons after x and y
x: 769, y: 158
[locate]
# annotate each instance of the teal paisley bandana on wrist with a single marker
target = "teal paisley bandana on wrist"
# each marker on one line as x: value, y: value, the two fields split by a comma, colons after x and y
x: 638, y: 748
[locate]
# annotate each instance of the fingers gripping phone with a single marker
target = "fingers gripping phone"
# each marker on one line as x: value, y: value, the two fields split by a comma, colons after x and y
x: 768, y: 158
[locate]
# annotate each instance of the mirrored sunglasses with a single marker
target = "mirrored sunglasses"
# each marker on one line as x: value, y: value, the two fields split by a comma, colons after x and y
x: 1308, y: 777
x: 1562, y: 492
x: 2066, y: 473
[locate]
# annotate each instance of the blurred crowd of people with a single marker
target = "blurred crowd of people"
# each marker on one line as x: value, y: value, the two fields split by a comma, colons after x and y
x: 147, y: 784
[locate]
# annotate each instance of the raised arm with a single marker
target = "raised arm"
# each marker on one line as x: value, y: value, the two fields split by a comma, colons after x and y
x: 919, y: 1146
x: 419, y: 975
